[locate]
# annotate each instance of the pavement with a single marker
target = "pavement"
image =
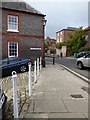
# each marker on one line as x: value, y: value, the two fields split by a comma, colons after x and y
x: 57, y: 94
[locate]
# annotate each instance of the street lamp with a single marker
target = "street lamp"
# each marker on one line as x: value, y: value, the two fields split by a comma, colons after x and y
x: 43, y: 56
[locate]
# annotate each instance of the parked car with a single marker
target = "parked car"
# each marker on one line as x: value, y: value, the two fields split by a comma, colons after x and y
x: 81, y: 54
x: 83, y: 61
x: 3, y: 103
x: 14, y: 64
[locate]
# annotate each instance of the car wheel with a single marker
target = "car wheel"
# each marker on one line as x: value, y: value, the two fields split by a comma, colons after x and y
x: 80, y: 65
x: 23, y: 68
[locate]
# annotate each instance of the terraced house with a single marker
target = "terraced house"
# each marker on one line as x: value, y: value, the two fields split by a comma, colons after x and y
x: 22, y: 30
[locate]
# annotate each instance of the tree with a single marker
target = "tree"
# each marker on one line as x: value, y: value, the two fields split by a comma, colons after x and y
x: 59, y: 45
x: 77, y: 40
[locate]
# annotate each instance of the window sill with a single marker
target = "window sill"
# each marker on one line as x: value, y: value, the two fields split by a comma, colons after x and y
x: 12, y: 31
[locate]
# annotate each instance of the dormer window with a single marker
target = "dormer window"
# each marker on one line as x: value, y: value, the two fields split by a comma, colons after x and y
x: 12, y: 23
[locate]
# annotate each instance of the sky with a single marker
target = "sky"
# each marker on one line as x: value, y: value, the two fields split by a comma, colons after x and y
x: 62, y: 14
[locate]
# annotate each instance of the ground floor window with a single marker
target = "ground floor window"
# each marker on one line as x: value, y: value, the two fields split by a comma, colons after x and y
x: 12, y: 49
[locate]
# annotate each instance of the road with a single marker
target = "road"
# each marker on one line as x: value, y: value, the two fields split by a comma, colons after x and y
x: 71, y: 64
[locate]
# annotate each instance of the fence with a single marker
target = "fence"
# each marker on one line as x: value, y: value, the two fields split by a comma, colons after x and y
x: 18, y: 87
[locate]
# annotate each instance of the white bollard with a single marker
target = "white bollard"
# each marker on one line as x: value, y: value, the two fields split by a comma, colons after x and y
x: 40, y: 63
x: 15, y: 99
x: 30, y: 80
x: 37, y: 67
x: 35, y: 72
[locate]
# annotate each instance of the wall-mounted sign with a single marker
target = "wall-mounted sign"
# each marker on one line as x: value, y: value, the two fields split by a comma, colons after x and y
x: 35, y: 48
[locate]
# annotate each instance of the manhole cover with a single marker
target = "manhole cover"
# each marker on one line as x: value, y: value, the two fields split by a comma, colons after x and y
x: 76, y: 96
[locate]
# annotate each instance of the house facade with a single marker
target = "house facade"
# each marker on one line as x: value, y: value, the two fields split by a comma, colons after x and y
x: 22, y: 31
x: 62, y: 36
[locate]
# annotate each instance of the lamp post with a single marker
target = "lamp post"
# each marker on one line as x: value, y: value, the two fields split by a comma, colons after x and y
x: 43, y: 54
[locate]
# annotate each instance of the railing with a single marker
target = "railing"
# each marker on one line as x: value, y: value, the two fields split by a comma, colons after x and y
x: 20, y: 85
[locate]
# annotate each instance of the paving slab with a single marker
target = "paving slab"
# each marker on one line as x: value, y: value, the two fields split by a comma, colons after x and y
x: 78, y: 106
x: 55, y: 106
x: 40, y: 106
x: 51, y: 95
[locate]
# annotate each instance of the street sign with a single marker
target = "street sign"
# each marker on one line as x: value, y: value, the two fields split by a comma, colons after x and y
x: 35, y: 48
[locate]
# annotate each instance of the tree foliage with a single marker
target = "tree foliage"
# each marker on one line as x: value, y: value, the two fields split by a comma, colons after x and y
x: 59, y: 45
x: 76, y: 41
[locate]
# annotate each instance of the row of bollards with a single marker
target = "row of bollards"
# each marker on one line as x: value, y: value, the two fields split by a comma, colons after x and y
x: 37, y: 69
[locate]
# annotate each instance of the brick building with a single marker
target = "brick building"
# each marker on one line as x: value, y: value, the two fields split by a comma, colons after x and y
x: 50, y: 41
x: 62, y: 36
x: 22, y: 30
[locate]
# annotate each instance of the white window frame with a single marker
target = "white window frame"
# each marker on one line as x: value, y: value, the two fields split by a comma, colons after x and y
x: 61, y: 33
x: 9, y: 49
x: 58, y: 33
x: 60, y: 39
x: 14, y: 24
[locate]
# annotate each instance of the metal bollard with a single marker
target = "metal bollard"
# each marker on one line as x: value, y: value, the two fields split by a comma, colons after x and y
x: 37, y: 67
x: 35, y: 72
x: 15, y: 99
x: 30, y: 80
x: 53, y: 60
x: 40, y: 63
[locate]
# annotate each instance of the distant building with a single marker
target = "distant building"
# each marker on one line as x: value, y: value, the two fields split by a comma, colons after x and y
x: 62, y: 36
x: 51, y: 44
x: 50, y: 41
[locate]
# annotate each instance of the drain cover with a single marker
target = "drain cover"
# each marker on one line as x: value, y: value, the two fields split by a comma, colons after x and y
x: 76, y: 96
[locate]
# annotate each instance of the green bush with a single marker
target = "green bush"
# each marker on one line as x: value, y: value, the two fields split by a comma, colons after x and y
x: 59, y: 45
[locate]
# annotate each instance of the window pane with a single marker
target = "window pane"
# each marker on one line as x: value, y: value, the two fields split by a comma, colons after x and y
x: 13, y: 48
x: 12, y: 22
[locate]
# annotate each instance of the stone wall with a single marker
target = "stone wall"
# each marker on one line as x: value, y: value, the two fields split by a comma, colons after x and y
x: 22, y: 91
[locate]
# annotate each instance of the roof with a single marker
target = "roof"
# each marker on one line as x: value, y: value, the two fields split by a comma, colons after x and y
x: 21, y: 6
x: 67, y: 29
x: 87, y: 29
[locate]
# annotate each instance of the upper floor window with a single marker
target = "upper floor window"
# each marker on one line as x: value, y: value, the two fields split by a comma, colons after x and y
x: 60, y: 33
x: 60, y: 39
x: 12, y: 23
